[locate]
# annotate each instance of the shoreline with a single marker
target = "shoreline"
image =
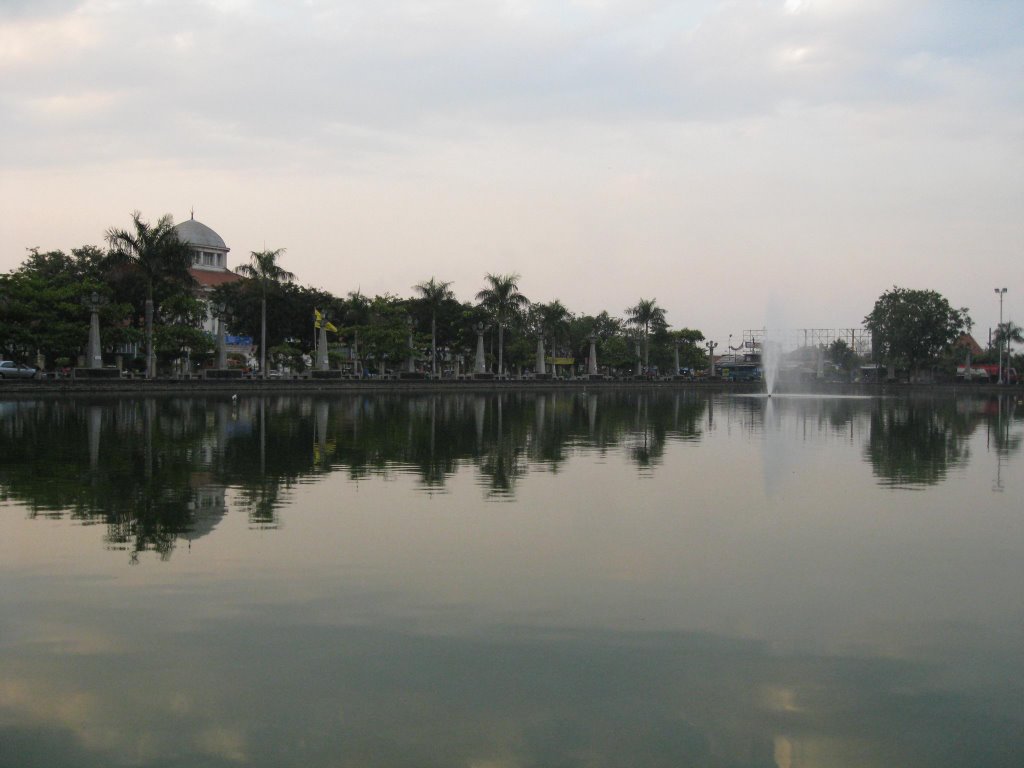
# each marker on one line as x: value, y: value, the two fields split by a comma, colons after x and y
x: 197, y: 386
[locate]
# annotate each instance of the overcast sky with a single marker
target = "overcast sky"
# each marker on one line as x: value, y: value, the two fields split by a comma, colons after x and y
x: 717, y: 156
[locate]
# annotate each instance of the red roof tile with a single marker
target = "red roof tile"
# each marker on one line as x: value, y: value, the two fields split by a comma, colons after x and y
x: 209, y: 279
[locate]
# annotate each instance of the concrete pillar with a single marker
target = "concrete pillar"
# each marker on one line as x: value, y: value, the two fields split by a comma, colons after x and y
x: 222, y: 345
x: 95, y: 350
x: 540, y: 367
x: 592, y: 359
x: 322, y: 361
x: 480, y: 364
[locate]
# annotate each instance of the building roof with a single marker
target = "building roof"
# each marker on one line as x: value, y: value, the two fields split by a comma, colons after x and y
x: 210, y: 278
x: 197, y: 234
x: 968, y: 341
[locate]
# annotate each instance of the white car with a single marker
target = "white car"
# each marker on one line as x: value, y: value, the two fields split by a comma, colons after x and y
x: 12, y: 370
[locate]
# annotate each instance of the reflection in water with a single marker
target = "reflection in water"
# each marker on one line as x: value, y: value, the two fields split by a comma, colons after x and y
x: 156, y: 469
x: 640, y: 597
x: 915, y: 443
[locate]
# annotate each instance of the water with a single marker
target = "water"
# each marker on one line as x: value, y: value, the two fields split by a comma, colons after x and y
x: 581, y: 580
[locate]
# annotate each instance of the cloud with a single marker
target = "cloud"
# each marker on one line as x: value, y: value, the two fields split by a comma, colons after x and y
x: 237, y: 79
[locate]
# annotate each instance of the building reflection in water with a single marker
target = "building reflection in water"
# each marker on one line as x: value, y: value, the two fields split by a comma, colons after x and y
x: 155, y: 470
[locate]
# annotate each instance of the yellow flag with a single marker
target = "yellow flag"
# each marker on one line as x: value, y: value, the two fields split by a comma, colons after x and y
x: 317, y: 317
x: 331, y: 327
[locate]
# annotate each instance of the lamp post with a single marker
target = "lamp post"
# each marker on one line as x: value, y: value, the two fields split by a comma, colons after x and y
x: 1001, y: 292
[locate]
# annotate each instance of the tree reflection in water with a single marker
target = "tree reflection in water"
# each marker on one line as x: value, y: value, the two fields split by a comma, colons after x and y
x: 155, y: 470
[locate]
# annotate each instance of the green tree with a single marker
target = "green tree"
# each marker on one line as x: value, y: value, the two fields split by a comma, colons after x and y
x: 839, y: 352
x: 1007, y: 333
x: 912, y: 327
x: 552, y: 320
x: 155, y: 251
x: 645, y: 314
x: 502, y: 299
x: 691, y: 350
x: 42, y: 308
x: 435, y: 295
x: 268, y: 274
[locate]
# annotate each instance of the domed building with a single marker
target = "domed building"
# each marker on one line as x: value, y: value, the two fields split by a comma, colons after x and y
x: 209, y: 269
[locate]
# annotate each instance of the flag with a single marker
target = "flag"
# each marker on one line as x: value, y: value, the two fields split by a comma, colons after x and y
x: 318, y: 318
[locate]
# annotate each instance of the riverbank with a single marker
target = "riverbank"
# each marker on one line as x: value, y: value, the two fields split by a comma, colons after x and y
x: 198, y: 386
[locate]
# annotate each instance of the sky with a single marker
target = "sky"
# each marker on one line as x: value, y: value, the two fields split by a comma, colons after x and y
x: 719, y: 157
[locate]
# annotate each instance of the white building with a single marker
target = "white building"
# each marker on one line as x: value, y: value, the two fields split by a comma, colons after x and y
x: 209, y: 263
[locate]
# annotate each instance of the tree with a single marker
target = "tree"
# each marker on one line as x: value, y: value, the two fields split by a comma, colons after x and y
x: 434, y: 294
x: 264, y: 269
x: 502, y: 300
x: 42, y: 308
x: 645, y: 314
x: 911, y: 327
x: 155, y: 251
x: 1007, y: 333
x: 841, y: 354
x: 552, y: 319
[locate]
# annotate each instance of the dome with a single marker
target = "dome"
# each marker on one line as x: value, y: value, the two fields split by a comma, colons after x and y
x: 199, y: 235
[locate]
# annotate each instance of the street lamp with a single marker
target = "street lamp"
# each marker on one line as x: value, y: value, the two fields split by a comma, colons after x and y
x: 1001, y: 292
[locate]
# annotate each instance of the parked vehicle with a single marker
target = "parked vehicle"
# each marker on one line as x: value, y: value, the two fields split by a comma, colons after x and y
x: 987, y: 372
x: 12, y: 370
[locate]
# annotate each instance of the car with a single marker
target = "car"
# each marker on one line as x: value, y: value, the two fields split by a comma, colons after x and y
x: 12, y: 370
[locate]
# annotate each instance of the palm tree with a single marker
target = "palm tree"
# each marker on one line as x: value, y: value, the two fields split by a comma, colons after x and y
x: 357, y: 314
x: 552, y: 318
x: 645, y: 314
x: 154, y: 249
x: 435, y: 294
x: 1005, y: 334
x: 264, y: 269
x: 502, y: 299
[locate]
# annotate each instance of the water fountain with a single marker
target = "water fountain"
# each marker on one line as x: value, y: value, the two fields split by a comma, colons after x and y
x: 771, y: 357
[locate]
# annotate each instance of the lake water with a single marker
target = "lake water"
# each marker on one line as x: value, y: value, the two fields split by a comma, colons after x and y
x: 559, y: 579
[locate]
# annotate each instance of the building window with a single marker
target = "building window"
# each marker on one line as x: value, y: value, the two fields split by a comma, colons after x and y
x: 207, y: 259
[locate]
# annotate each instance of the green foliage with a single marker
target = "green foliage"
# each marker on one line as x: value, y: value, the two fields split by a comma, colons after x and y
x: 42, y: 305
x: 43, y: 310
x: 647, y: 315
x: 912, y: 327
x: 839, y: 352
x: 503, y: 302
x: 287, y: 356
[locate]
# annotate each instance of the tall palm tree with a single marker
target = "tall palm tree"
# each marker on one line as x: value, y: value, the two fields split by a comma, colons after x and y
x: 502, y: 299
x: 154, y: 249
x: 435, y: 294
x: 645, y: 314
x: 264, y: 269
x: 553, y: 319
x: 1005, y: 334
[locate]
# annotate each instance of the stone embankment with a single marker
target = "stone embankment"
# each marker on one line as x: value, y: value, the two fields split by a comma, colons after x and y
x: 198, y: 386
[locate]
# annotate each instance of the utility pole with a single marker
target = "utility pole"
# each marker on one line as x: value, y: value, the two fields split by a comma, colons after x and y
x: 1000, y: 332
